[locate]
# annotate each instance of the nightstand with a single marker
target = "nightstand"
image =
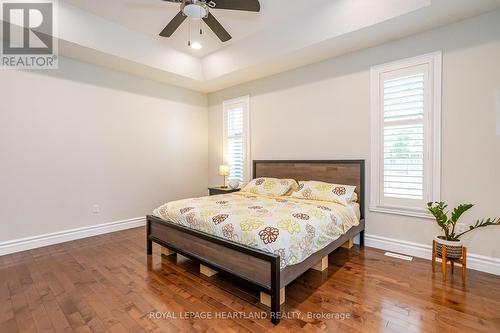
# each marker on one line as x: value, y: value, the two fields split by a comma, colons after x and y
x: 221, y: 190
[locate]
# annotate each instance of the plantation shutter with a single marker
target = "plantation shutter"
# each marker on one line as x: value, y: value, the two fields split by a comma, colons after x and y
x: 236, y: 138
x: 235, y: 142
x: 406, y: 135
x: 403, y: 137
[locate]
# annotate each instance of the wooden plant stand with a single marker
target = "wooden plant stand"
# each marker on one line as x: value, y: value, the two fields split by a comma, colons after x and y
x: 462, y: 261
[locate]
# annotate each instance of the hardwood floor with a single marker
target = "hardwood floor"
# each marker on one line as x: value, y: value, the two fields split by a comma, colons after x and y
x: 107, y: 283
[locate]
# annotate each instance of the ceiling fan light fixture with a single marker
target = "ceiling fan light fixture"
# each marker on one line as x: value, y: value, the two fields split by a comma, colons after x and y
x: 196, y: 46
x: 195, y: 9
x: 200, y: 10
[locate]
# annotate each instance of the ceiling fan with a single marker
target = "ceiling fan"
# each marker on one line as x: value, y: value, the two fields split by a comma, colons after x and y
x: 200, y: 9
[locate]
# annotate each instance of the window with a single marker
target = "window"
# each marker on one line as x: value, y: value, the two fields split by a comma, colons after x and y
x: 406, y: 124
x: 236, y: 138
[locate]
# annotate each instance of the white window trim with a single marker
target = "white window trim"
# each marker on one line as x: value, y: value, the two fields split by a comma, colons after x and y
x: 245, y: 100
x: 433, y: 121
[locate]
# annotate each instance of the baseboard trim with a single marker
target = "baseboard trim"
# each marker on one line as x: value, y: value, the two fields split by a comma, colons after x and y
x: 474, y: 261
x: 34, y: 242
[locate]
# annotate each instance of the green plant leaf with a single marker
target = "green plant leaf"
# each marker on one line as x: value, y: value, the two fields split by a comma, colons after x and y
x: 458, y: 211
x: 437, y: 210
x: 481, y: 224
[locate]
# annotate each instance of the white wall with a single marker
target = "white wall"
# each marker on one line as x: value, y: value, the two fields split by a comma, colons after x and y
x: 85, y: 135
x: 322, y: 111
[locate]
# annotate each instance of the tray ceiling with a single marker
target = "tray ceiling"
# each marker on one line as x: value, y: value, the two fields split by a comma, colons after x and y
x: 286, y: 34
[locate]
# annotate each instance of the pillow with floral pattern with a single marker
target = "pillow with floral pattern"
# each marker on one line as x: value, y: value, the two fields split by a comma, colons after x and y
x: 314, y: 190
x: 270, y: 186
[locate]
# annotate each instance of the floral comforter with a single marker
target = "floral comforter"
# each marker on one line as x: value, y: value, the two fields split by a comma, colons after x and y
x: 292, y: 228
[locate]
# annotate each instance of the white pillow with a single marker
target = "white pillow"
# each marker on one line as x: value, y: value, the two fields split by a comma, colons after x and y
x: 270, y: 186
x: 314, y: 190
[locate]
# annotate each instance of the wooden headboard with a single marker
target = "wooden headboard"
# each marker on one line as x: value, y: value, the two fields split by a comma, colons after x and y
x: 346, y: 172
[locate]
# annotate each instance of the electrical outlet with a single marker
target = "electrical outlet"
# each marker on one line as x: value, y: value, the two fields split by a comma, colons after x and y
x: 96, y: 209
x: 460, y: 227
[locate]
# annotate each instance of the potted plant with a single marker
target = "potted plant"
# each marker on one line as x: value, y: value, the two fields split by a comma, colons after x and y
x: 451, y: 238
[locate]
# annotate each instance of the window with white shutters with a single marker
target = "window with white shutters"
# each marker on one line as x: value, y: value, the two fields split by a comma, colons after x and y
x: 406, y: 100
x: 236, y: 138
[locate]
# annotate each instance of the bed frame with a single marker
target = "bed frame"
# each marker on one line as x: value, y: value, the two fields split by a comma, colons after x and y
x: 262, y: 269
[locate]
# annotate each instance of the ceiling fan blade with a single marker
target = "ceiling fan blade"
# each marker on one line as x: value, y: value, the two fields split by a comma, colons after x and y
x: 173, y: 25
x: 176, y: 1
x: 217, y: 28
x: 247, y: 5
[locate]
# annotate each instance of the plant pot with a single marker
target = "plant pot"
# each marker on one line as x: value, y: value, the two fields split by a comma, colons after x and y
x: 453, y: 248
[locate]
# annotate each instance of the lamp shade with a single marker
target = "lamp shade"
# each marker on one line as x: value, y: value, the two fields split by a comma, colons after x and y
x: 223, y: 170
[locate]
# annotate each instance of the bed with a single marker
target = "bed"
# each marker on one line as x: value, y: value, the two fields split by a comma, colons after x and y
x: 271, y: 263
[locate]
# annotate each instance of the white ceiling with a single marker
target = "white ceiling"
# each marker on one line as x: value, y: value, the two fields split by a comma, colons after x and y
x: 151, y: 16
x: 123, y: 35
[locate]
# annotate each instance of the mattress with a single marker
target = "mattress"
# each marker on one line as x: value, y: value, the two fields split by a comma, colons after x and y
x: 289, y: 227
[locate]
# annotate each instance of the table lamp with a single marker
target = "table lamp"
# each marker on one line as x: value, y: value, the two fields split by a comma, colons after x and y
x: 224, y: 171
